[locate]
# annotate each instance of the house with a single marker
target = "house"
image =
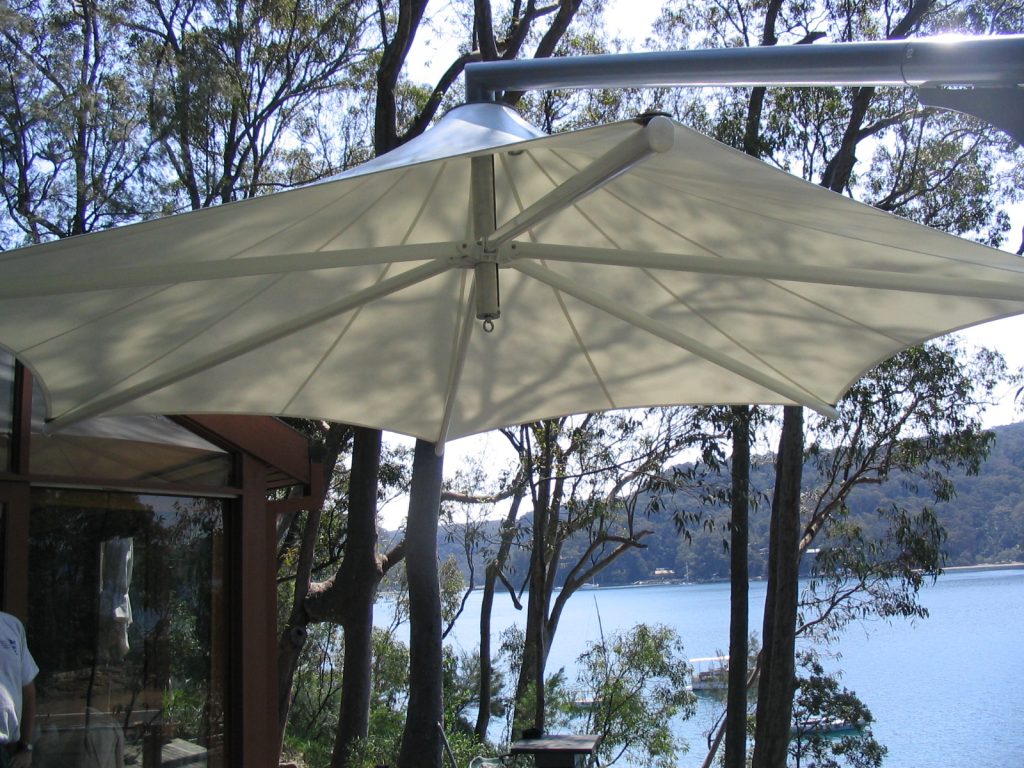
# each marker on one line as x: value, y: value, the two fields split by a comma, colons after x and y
x: 141, y: 554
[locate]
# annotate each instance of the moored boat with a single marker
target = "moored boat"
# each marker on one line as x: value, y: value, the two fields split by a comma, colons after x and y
x: 821, y: 726
x: 710, y: 673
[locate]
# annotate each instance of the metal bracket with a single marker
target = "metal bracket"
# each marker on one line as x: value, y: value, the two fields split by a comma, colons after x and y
x: 1002, y: 107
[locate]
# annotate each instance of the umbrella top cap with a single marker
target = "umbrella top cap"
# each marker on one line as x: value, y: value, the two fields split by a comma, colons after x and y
x: 464, y: 130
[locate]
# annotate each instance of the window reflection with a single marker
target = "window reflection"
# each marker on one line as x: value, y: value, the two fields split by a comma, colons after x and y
x: 6, y: 408
x: 3, y: 542
x: 127, y: 624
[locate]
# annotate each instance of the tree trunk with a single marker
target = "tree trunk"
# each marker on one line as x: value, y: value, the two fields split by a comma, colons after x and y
x: 494, y: 568
x: 736, y: 702
x: 483, y: 714
x: 531, y: 672
x: 776, y: 686
x: 293, y: 637
x: 421, y: 740
x: 364, y: 572
x: 531, y: 713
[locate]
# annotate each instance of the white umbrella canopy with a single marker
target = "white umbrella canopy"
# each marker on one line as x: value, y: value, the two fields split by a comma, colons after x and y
x: 695, y: 276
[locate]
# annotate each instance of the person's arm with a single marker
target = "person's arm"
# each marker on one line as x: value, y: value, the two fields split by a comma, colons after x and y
x: 23, y: 759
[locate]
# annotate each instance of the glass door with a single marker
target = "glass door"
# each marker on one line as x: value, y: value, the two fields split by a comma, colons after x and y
x: 128, y: 609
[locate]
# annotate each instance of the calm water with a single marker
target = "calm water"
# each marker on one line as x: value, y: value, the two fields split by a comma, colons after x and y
x: 946, y: 691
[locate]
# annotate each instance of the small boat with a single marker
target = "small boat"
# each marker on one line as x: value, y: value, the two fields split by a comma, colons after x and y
x: 658, y: 582
x: 710, y: 673
x: 825, y: 726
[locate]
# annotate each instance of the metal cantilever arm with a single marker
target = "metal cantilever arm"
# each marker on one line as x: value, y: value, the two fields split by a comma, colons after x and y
x: 982, y: 62
x: 970, y: 61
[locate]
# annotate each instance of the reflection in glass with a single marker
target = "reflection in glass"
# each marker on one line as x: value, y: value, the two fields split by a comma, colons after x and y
x: 115, y: 601
x: 127, y: 624
x: 6, y: 408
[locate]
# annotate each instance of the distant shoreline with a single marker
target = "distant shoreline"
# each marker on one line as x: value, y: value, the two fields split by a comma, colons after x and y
x: 983, y: 567
x: 680, y: 582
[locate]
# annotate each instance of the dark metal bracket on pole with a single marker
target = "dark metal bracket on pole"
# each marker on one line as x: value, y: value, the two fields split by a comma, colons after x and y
x: 981, y: 76
x: 1002, y: 107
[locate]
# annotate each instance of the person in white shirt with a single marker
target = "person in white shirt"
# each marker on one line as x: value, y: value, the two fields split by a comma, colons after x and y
x: 18, y: 672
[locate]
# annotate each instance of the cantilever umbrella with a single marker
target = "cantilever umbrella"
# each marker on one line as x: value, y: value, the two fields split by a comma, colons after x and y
x: 485, y: 275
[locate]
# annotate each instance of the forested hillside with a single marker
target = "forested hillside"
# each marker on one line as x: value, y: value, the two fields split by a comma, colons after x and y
x: 985, y: 523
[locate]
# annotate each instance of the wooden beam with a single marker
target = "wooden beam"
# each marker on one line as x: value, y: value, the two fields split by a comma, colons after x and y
x: 254, y: 635
x: 268, y: 439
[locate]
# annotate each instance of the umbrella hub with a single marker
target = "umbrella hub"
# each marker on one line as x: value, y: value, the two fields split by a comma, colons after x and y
x: 654, y: 136
x: 488, y: 301
x: 484, y: 261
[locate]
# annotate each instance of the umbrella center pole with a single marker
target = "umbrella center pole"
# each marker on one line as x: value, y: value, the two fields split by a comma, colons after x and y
x: 484, y: 221
x: 488, y: 301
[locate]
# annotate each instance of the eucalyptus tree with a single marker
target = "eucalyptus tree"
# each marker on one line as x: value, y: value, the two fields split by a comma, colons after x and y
x: 493, y: 545
x: 636, y: 682
x: 587, y: 477
x: 75, y: 150
x: 918, y: 416
x: 330, y: 558
x: 915, y: 417
x: 233, y: 86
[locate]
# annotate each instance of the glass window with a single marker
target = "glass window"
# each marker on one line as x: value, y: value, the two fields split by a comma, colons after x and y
x: 6, y: 408
x: 127, y: 621
x: 3, y: 545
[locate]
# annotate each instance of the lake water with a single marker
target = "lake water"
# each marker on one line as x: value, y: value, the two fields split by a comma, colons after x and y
x: 945, y: 691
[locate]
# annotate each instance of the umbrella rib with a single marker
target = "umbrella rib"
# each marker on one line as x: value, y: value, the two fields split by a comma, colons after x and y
x: 212, y: 359
x: 458, y: 364
x: 60, y: 247
x: 96, y: 319
x: 656, y: 137
x: 184, y: 341
x: 593, y: 222
x: 148, y: 297
x: 830, y: 310
x: 641, y: 212
x: 753, y: 353
x: 379, y: 256
x: 200, y: 271
x: 665, y: 332
x: 558, y: 296
x: 820, y: 275
x: 299, y: 222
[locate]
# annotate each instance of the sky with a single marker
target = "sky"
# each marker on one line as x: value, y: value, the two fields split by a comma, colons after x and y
x: 631, y: 20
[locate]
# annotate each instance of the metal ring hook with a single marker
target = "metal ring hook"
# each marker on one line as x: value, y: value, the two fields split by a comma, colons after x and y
x: 488, y: 325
